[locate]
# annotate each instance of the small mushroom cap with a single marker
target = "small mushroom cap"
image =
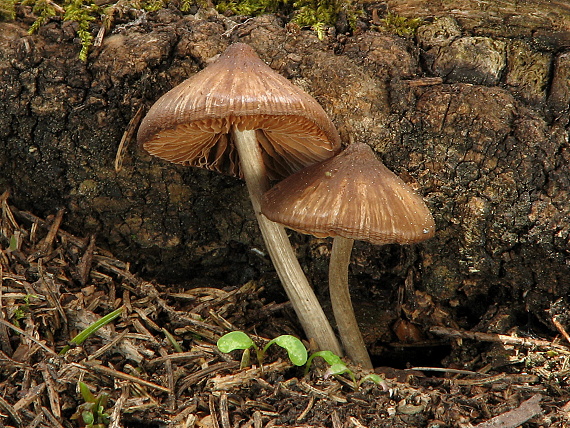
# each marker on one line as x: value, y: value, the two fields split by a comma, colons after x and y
x: 352, y: 195
x: 191, y: 123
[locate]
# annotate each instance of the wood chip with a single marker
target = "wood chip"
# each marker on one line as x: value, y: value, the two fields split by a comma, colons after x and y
x: 516, y: 417
x: 53, y: 394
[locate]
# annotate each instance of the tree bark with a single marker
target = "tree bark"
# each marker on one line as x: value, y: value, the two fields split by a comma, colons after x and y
x: 472, y: 112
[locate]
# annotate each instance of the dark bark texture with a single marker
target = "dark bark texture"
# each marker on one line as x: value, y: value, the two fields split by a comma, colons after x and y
x: 473, y: 113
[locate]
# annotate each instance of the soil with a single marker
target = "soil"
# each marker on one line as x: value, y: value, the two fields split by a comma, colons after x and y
x: 473, y: 112
x: 159, y: 365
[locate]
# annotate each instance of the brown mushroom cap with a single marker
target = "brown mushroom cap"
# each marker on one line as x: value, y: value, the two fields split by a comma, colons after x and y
x: 191, y: 123
x: 352, y: 195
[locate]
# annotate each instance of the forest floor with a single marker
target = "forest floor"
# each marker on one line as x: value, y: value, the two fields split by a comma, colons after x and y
x: 158, y: 363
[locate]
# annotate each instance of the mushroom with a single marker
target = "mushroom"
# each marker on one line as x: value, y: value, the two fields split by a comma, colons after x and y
x: 350, y: 196
x: 238, y: 116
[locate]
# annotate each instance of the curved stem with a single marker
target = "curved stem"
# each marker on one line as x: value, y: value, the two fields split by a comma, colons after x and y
x: 342, y: 305
x: 300, y: 293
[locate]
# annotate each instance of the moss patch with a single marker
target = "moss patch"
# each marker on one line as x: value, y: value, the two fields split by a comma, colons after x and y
x: 316, y: 14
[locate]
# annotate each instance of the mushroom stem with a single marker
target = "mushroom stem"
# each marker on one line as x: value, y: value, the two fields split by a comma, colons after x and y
x: 342, y: 305
x: 300, y: 293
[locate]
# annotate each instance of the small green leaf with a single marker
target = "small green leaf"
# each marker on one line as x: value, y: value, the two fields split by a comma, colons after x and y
x: 373, y: 378
x: 81, y: 337
x: 88, y: 418
x: 295, y: 348
x: 337, y: 369
x: 172, y: 341
x: 13, y: 243
x: 330, y: 357
x: 234, y: 340
x: 86, y: 393
x: 245, y: 358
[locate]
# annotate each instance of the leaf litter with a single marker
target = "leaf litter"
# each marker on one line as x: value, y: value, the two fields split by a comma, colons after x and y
x: 157, y: 365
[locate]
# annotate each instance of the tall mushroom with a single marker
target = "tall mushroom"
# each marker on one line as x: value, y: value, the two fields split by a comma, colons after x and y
x: 239, y: 117
x: 350, y: 196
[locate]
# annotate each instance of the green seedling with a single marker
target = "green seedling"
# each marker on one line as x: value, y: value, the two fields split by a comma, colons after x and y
x: 239, y: 340
x: 172, y: 341
x: 81, y: 337
x: 23, y: 309
x: 92, y: 413
x: 338, y: 367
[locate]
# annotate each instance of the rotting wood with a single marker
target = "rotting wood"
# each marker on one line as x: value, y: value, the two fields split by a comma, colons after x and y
x: 516, y: 417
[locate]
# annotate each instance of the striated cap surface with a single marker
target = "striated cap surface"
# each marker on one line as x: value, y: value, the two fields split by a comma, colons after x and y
x: 352, y: 195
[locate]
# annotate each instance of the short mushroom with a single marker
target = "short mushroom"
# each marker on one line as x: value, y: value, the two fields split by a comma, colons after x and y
x: 351, y: 196
x: 239, y: 117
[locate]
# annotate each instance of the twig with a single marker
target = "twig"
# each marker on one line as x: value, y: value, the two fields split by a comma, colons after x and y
x: 307, y: 409
x: 127, y: 137
x: 336, y: 420
x: 425, y: 81
x: 446, y: 370
x: 212, y: 406
x: 221, y: 321
x: 31, y: 395
x: 195, y: 377
x: 7, y: 214
x: 108, y: 346
x: 52, y: 295
x: 52, y: 392
x: 86, y: 262
x: 39, y: 417
x: 355, y: 422
x: 561, y: 329
x: 501, y: 377
x: 51, y: 418
x: 243, y: 377
x: 47, y: 242
x: 320, y: 393
x: 10, y: 410
x: 516, y: 417
x: 23, y: 333
x: 4, y: 337
x: 116, y: 414
x: 120, y: 375
x: 190, y: 355
x: 499, y: 338
x: 79, y: 243
x: 224, y: 413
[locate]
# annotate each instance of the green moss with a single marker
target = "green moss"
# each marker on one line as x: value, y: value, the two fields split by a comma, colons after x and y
x: 310, y: 13
x: 250, y: 7
x: 153, y: 5
x: 43, y: 9
x: 400, y: 25
x: 316, y: 14
x: 7, y: 9
x: 82, y: 13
